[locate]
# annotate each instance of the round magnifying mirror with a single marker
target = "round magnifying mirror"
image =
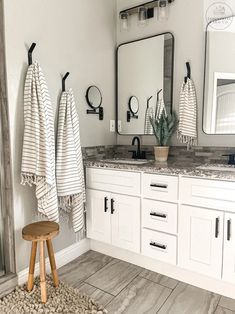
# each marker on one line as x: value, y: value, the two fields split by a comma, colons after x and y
x: 94, y: 97
x: 134, y: 105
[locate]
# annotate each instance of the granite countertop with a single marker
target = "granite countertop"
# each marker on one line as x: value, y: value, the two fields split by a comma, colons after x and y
x: 172, y: 167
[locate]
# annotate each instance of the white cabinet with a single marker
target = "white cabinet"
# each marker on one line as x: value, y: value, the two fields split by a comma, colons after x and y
x: 125, y: 222
x: 159, y: 216
x: 160, y: 246
x: 215, y: 194
x: 114, y: 219
x: 160, y: 187
x: 98, y: 216
x: 229, y: 248
x: 201, y: 240
x: 188, y: 222
x: 115, y: 181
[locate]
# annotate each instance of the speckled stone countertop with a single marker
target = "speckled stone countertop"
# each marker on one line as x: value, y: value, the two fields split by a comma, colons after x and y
x: 172, y: 167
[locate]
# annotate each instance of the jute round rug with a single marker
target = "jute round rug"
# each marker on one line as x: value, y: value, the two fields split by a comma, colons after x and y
x: 64, y: 299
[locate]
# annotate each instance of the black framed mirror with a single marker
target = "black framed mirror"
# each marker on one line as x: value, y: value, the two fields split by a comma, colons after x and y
x: 133, y: 105
x: 144, y: 68
x: 94, y: 100
x: 219, y: 77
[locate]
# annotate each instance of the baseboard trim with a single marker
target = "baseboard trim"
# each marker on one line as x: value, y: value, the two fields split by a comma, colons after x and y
x: 176, y: 272
x: 62, y: 258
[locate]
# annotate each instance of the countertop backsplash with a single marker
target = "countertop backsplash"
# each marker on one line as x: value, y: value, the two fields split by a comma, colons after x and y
x: 197, y: 154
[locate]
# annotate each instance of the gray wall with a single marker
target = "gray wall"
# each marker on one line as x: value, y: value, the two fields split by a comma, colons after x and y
x: 73, y: 35
x: 186, y: 23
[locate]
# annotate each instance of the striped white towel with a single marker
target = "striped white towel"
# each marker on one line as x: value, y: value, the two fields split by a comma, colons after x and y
x: 187, y: 130
x: 161, y: 108
x: 38, y: 157
x: 148, y: 129
x: 69, y: 164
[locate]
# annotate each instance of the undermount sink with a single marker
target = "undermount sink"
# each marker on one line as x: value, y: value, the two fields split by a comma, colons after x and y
x: 217, y: 168
x: 128, y: 161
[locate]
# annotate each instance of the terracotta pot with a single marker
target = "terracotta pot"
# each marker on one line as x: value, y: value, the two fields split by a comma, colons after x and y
x: 161, y: 153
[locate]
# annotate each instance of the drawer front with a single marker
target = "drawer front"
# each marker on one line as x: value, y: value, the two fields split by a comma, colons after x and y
x: 159, y: 246
x: 160, y: 187
x: 159, y: 216
x: 208, y: 193
x: 113, y: 181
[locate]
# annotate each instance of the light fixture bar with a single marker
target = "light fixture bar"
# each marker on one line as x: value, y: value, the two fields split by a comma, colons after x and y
x: 147, y: 5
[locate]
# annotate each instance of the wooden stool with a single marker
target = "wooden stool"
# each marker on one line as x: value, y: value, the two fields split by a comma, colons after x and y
x: 40, y: 232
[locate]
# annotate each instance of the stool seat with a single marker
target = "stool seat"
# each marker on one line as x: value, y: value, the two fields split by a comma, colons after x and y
x: 41, y: 230
x: 41, y: 233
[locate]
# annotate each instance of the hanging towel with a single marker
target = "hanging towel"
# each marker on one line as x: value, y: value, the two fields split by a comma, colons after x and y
x: 148, y: 129
x: 38, y: 157
x: 187, y: 130
x: 69, y: 164
x: 161, y: 108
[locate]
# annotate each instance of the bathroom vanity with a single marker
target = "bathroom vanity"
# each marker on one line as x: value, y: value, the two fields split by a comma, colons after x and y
x: 176, y: 218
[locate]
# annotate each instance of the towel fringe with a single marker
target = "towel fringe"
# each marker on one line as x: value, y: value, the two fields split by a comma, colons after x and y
x: 189, y: 140
x: 30, y: 179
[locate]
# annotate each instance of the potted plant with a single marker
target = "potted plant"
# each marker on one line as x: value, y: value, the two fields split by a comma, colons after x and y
x: 163, y: 128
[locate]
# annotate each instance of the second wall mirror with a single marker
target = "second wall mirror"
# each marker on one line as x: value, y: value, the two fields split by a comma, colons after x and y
x: 145, y: 70
x: 219, y: 82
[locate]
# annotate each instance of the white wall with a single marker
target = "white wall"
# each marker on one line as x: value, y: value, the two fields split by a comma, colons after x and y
x: 186, y: 23
x: 72, y: 35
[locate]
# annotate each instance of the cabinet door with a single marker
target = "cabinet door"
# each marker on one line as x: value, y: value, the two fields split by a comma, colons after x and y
x: 201, y: 240
x: 125, y: 221
x: 98, y: 216
x: 229, y: 248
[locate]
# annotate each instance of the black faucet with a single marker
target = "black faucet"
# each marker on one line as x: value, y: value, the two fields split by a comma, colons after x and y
x: 231, y: 159
x: 137, y: 154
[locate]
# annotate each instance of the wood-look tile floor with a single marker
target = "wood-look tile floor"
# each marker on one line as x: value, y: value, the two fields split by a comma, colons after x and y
x: 125, y: 288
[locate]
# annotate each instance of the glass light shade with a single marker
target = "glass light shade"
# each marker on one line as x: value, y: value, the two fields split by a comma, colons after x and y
x: 163, y: 10
x: 143, y: 16
x: 124, y: 21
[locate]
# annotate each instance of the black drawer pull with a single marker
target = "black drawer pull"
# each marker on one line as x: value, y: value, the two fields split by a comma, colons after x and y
x: 105, y: 204
x: 158, y: 185
x: 160, y: 246
x: 229, y: 230
x: 112, y: 206
x: 158, y: 215
x: 217, y: 227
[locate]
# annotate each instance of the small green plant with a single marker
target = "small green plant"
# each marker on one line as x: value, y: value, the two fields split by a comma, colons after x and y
x: 164, y: 127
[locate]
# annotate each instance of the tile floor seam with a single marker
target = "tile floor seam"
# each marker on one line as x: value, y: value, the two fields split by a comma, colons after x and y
x: 224, y: 307
x: 96, y: 271
x: 167, y: 298
x: 122, y: 290
x: 217, y: 304
x: 158, y: 283
x: 112, y: 295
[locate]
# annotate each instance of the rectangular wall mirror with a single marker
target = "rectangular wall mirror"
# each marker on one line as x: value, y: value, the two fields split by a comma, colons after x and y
x: 219, y: 82
x: 144, y: 78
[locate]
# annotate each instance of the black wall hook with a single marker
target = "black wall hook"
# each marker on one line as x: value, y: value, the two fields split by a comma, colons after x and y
x: 63, y: 81
x: 188, y: 72
x: 31, y: 49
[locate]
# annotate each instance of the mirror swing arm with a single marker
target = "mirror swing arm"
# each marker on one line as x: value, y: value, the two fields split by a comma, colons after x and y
x: 100, y: 112
x: 130, y: 115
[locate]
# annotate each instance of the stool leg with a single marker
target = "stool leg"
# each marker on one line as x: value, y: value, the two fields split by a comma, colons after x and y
x: 52, y: 262
x: 42, y: 273
x: 32, y: 266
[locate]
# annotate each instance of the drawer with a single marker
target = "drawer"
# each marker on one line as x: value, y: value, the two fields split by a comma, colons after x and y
x: 159, y: 246
x: 208, y: 193
x: 159, y: 216
x: 160, y: 187
x: 113, y: 181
